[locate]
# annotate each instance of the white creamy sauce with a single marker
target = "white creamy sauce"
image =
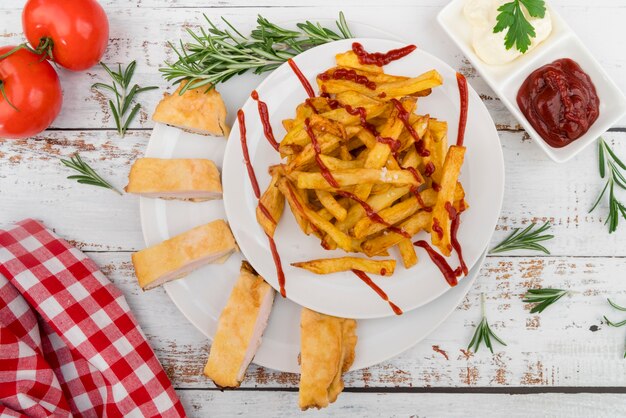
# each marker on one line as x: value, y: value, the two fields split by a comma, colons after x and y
x: 489, y: 46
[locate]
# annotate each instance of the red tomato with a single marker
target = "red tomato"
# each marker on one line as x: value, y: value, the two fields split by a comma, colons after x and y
x: 79, y: 30
x: 33, y: 87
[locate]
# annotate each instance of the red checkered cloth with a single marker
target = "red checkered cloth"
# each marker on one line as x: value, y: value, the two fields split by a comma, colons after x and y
x: 69, y: 345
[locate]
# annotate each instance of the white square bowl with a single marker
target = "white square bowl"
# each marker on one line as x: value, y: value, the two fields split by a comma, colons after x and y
x: 505, y: 80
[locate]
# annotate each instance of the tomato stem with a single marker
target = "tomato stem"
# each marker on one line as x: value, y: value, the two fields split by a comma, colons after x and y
x: 46, y: 44
x: 17, y: 48
x: 4, y: 95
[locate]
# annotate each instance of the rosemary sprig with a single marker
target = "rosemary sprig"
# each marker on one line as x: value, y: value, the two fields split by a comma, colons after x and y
x: 608, y: 160
x: 525, y: 240
x: 483, y: 331
x: 123, y: 95
x: 215, y: 55
x: 616, y: 324
x: 543, y: 298
x: 87, y: 174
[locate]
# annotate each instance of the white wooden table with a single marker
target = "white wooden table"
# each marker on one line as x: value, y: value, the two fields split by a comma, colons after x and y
x: 564, y: 362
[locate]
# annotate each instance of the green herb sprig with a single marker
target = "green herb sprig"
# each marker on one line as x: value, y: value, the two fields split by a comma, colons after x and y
x: 216, y: 55
x: 616, y: 324
x: 123, y: 95
x: 543, y: 298
x: 87, y: 174
x: 520, y: 31
x: 483, y: 332
x: 610, y: 165
x: 525, y: 240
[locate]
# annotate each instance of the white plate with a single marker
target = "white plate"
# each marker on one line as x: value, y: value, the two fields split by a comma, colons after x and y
x: 343, y: 294
x: 202, y: 295
x: 505, y: 80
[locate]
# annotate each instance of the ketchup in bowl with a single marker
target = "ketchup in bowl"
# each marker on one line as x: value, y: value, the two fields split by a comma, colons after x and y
x: 560, y: 102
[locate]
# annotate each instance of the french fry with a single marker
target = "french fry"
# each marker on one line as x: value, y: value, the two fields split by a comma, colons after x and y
x: 351, y: 60
x: 334, y: 265
x: 274, y: 203
x: 440, y: 226
x: 336, y: 164
x: 413, y: 225
x: 355, y: 176
x: 401, y: 88
x: 407, y: 253
x: 296, y: 202
x: 330, y: 204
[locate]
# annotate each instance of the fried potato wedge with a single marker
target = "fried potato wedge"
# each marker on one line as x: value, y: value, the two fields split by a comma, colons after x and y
x: 334, y: 265
x: 440, y: 226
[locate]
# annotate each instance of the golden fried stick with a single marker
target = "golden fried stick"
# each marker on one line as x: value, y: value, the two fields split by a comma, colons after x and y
x: 334, y: 265
x: 240, y: 328
x: 441, y: 222
x: 327, y: 346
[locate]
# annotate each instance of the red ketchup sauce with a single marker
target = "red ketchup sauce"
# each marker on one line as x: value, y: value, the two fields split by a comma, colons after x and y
x: 372, y: 214
x: 302, y: 78
x: 380, y: 58
x: 266, y: 212
x: 255, y: 186
x: 246, y: 156
x: 560, y: 102
x: 318, y: 150
x: 404, y: 117
x: 348, y: 75
x: 446, y: 270
x: 361, y: 275
x: 265, y: 120
x: 429, y: 169
x: 463, y: 95
x: 420, y: 200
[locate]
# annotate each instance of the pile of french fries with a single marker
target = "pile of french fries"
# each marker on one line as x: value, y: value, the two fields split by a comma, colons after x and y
x: 381, y: 174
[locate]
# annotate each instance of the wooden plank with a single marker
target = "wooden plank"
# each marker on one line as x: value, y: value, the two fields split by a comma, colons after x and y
x: 567, y: 345
x: 111, y: 4
x: 285, y: 404
x: 33, y: 183
x: 86, y: 109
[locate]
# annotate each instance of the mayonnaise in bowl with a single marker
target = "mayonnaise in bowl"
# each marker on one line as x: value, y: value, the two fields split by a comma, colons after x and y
x: 489, y: 46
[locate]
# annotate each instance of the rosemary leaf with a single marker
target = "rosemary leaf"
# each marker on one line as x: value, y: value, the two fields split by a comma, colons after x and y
x: 215, y: 55
x: 609, y: 166
x: 124, y: 97
x: 87, y: 174
x: 525, y: 240
x: 483, y: 332
x: 543, y: 298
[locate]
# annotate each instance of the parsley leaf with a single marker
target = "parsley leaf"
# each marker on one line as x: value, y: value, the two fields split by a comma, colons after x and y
x: 520, y: 31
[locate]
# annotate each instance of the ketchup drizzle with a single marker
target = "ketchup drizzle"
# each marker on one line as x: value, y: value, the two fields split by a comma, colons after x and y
x: 265, y: 120
x: 372, y: 214
x: 318, y: 150
x: 255, y: 186
x: 437, y: 227
x: 455, y: 243
x: 380, y: 58
x: 266, y: 212
x: 429, y: 169
x: 246, y: 157
x: 279, y: 267
x: 404, y: 117
x: 361, y: 275
x: 462, y: 82
x: 446, y: 270
x: 349, y: 75
x: 302, y: 78
x: 420, y: 200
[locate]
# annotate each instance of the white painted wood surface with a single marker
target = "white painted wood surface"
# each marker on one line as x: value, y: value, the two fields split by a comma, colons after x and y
x: 568, y: 346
